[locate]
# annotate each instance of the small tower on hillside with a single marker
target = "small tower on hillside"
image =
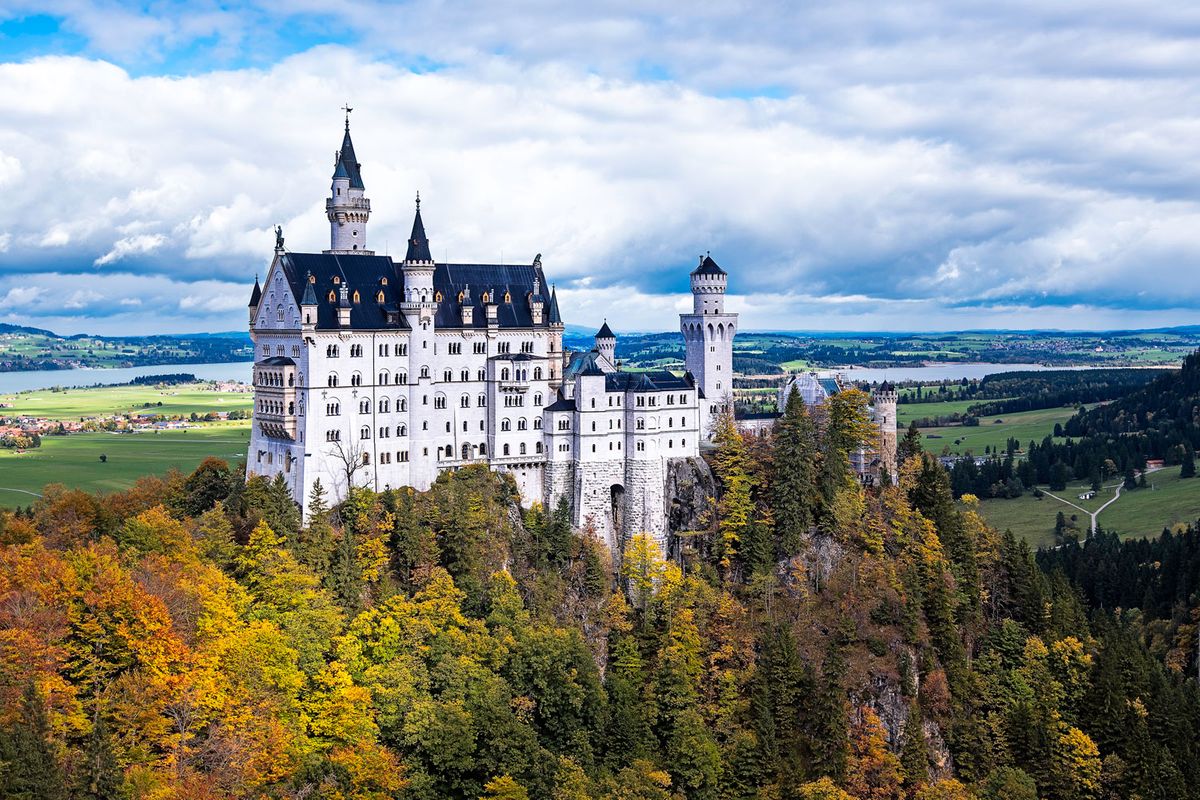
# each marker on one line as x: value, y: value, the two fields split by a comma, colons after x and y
x: 347, y: 207
x: 606, y: 343
x: 884, y: 401
x: 708, y: 338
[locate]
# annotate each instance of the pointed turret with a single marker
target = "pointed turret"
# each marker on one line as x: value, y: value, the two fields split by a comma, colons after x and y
x: 418, y: 243
x: 347, y: 208
x: 308, y: 304
x: 606, y: 343
x: 255, y: 299
x: 555, y: 318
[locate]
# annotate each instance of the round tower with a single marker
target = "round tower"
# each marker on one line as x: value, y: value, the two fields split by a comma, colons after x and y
x: 347, y: 208
x: 708, y: 340
x: 884, y: 401
x: 606, y: 343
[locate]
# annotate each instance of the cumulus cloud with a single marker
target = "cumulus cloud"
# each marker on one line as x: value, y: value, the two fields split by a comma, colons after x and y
x: 872, y: 167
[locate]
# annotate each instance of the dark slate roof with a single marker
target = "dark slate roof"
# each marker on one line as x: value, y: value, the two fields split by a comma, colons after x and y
x: 708, y: 267
x: 418, y: 242
x: 495, y: 279
x: 658, y: 380
x: 757, y: 414
x: 562, y: 404
x: 886, y: 387
x: 830, y: 385
x: 347, y: 164
x: 256, y: 295
x: 360, y: 273
x: 310, y: 295
x: 276, y: 361
x: 555, y: 318
x: 582, y: 364
x: 605, y: 332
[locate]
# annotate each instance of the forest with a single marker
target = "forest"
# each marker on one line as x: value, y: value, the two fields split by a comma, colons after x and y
x: 816, y: 638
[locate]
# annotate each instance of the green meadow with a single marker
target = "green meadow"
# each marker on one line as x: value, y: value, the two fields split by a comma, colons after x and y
x: 1168, y: 500
x: 75, y: 460
x: 991, y: 432
x: 183, y: 399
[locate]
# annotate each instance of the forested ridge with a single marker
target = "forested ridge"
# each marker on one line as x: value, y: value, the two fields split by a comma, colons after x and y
x: 815, y: 639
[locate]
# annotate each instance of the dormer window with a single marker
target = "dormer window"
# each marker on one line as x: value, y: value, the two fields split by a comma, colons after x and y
x: 336, y: 280
x: 507, y: 297
x: 356, y: 295
x: 312, y: 278
x: 332, y: 296
x: 380, y: 296
x: 437, y: 297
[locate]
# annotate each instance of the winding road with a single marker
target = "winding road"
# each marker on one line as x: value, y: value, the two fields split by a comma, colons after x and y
x: 1093, y: 514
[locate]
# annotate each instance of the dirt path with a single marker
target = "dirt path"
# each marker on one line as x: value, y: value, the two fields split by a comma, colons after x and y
x: 1093, y: 514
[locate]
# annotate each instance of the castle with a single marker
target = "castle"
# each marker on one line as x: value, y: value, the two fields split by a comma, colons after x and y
x: 373, y: 372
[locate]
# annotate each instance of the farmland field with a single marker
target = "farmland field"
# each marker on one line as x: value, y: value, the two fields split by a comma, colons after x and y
x: 991, y: 431
x: 181, y: 399
x: 75, y: 460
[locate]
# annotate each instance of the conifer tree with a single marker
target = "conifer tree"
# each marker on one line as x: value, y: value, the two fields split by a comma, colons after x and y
x: 795, y: 484
x: 345, y: 574
x: 30, y: 768
x: 1188, y: 468
x: 315, y: 546
x: 100, y: 778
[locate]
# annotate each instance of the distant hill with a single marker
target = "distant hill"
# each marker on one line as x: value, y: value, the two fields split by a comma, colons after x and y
x: 6, y: 328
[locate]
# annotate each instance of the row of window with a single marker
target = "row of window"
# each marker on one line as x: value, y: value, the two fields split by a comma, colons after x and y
x: 281, y: 350
x: 401, y: 349
x: 439, y: 402
x: 273, y: 379
x: 274, y: 407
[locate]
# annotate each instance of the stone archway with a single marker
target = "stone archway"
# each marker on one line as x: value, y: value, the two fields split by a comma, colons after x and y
x: 617, y: 511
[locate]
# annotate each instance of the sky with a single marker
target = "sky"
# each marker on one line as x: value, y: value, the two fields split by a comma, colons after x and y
x: 853, y: 165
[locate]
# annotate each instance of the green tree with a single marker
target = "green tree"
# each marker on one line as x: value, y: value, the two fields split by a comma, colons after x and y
x: 795, y: 496
x: 30, y: 767
x: 1188, y: 468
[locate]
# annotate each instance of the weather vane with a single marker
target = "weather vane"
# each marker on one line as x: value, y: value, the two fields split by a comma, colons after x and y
x: 347, y: 109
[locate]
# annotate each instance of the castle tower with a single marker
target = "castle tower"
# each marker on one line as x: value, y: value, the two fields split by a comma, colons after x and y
x: 884, y: 401
x: 708, y: 337
x: 348, y: 210
x: 419, y: 300
x: 606, y: 343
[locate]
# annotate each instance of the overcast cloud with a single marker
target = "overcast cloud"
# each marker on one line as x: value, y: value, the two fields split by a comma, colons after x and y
x: 862, y: 166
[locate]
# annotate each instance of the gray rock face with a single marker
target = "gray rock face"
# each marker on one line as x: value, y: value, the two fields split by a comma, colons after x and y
x: 690, y: 495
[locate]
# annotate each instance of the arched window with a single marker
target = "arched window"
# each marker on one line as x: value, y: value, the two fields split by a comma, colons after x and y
x: 465, y: 401
x: 505, y: 425
x: 505, y: 449
x: 480, y: 375
x: 364, y: 432
x: 447, y: 375
x: 383, y: 378
x: 356, y: 379
x: 291, y: 380
x: 537, y: 448
x: 537, y: 373
x: 402, y: 378
x: 384, y: 405
x: 504, y: 374
x: 537, y: 423
x: 424, y: 372
x: 439, y: 401
x: 537, y: 398
x: 333, y: 379
x: 401, y: 404
x: 331, y: 351
x: 466, y: 451
x: 364, y: 406
x: 402, y: 430
x: 522, y: 424
x: 481, y: 401
x: 522, y: 448
x: 465, y: 375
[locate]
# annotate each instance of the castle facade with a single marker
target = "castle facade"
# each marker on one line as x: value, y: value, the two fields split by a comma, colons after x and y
x: 377, y: 373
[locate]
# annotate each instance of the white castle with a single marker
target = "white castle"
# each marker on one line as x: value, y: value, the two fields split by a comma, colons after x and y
x: 382, y: 374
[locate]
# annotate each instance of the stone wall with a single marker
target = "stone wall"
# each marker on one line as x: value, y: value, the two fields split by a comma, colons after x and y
x: 689, y: 495
x: 644, y: 485
x: 593, y: 499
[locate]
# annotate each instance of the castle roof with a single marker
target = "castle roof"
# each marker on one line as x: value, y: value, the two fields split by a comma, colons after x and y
x: 708, y: 267
x: 418, y: 242
x: 370, y: 275
x: 256, y: 294
x: 605, y: 332
x: 276, y: 361
x: 347, y: 164
x: 555, y: 318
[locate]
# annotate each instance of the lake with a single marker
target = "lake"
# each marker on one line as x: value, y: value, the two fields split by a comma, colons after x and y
x: 941, y: 372
x: 11, y: 382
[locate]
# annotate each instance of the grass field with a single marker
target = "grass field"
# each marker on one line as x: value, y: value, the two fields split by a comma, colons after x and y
x: 906, y: 412
x: 75, y: 460
x: 1141, y: 512
x: 104, y: 400
x: 991, y: 431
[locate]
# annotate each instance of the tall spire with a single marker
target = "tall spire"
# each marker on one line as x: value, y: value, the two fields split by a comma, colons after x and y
x: 555, y: 318
x: 418, y: 244
x: 347, y: 165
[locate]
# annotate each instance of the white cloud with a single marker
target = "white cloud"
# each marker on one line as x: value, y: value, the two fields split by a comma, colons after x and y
x: 922, y: 167
x: 19, y: 296
x: 133, y: 245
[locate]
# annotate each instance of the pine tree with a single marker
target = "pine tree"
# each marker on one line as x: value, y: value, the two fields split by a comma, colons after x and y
x: 910, y: 445
x: 315, y: 545
x: 100, y: 778
x: 1188, y: 468
x: 30, y: 768
x: 345, y: 574
x: 795, y: 484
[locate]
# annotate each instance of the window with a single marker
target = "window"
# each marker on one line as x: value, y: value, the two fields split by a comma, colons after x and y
x: 401, y: 404
x: 439, y: 401
x: 364, y: 406
x: 502, y: 347
x: 483, y: 448
x: 383, y: 378
x: 521, y: 448
x: 464, y: 401
x: 447, y: 376
x: 522, y: 424
x: 402, y: 350
x: 366, y: 456
x: 480, y: 375
x: 593, y: 425
x: 480, y: 348
x: 464, y: 375
x: 356, y: 379
x: 364, y: 432
x: 456, y: 348
x: 505, y: 449
x: 505, y: 425
x: 402, y: 378
x: 384, y: 433
x: 356, y: 349
x: 641, y: 424
x: 384, y: 405
x: 333, y: 436
x: 424, y: 372
x: 333, y: 379
x: 537, y: 373
x: 447, y: 428
x: 466, y: 451
x: 504, y: 374
x: 537, y: 423
x: 402, y: 455
x: 266, y: 349
x: 526, y: 347
x: 402, y: 430
x: 481, y: 400
x: 383, y: 348
x: 279, y: 315
x: 537, y: 448
x: 332, y: 409
x: 564, y: 424
x: 331, y: 351
x: 641, y: 446
x: 537, y: 398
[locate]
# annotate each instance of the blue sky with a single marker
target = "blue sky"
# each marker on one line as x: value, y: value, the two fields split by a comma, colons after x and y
x: 916, y: 166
